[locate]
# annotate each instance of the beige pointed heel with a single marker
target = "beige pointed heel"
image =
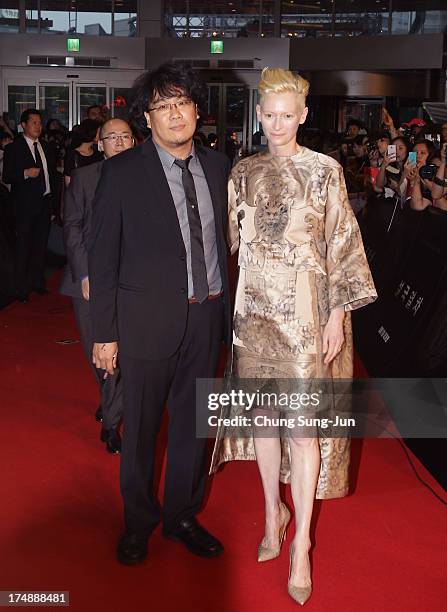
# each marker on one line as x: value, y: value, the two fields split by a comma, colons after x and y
x: 267, y: 553
x: 298, y: 594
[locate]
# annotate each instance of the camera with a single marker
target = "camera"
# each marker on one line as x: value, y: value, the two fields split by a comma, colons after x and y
x: 428, y: 172
x: 371, y: 147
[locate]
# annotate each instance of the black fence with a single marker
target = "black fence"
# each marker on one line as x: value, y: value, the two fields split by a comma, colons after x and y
x: 404, y: 333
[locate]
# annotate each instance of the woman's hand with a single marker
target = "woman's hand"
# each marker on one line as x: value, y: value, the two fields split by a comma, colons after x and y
x: 387, y: 160
x: 444, y: 153
x: 411, y: 172
x: 374, y: 158
x: 333, y: 335
x: 387, y: 119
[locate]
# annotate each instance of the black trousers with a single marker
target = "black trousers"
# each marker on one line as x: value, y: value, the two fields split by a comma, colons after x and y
x: 147, y: 386
x: 110, y: 389
x: 32, y: 227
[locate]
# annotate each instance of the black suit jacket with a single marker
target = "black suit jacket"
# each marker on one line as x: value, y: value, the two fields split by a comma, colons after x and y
x: 78, y: 200
x: 26, y: 193
x: 137, y: 258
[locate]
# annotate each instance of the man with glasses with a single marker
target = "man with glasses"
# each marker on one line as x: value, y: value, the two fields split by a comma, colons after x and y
x: 115, y: 137
x: 160, y: 299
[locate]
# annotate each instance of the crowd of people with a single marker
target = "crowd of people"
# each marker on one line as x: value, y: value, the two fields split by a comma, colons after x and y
x: 403, y: 165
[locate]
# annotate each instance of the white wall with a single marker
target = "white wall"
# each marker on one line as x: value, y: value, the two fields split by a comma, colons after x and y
x: 15, y: 48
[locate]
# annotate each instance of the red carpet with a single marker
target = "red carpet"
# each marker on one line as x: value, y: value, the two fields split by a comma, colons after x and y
x: 382, y: 548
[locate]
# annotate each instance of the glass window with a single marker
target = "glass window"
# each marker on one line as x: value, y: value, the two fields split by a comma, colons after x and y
x: 20, y: 97
x: 238, y: 19
x: 32, y: 16
x: 419, y: 17
x: 70, y: 16
x: 361, y: 18
x: 9, y: 16
x: 334, y: 18
x: 315, y: 18
x: 307, y: 19
x: 125, y: 18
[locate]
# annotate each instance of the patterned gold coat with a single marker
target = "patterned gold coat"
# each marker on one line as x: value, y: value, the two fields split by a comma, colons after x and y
x: 300, y: 256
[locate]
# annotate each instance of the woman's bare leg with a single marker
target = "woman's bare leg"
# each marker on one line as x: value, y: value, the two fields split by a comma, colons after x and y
x: 268, y: 455
x: 305, y: 467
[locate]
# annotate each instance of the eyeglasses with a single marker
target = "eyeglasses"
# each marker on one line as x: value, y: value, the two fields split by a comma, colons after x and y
x: 182, y: 103
x: 116, y: 137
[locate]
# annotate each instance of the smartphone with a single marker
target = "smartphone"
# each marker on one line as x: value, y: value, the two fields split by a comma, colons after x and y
x: 391, y: 152
x: 412, y: 157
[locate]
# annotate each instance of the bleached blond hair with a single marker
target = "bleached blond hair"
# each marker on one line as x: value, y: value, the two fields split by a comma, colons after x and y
x: 278, y: 80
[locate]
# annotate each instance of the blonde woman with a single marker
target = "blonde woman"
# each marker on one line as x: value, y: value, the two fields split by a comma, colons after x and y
x: 302, y: 268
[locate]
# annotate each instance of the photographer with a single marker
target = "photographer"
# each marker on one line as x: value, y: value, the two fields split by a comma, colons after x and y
x: 355, y: 175
x: 427, y: 178
x: 377, y: 149
x: 391, y: 181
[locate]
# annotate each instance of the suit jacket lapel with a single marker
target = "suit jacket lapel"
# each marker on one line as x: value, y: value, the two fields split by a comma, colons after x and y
x: 27, y: 153
x: 162, y: 199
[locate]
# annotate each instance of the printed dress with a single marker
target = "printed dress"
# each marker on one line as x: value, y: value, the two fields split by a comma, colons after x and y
x: 300, y: 256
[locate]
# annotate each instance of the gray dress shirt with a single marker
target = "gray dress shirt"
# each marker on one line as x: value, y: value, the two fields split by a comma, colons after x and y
x: 174, y: 177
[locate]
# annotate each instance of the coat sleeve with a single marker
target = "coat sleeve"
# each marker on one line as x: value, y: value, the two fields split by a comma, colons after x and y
x: 12, y: 168
x: 349, y: 277
x: 74, y: 221
x: 104, y: 255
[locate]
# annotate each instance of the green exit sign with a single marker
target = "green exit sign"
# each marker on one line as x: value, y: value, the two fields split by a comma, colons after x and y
x: 72, y: 44
x: 217, y: 46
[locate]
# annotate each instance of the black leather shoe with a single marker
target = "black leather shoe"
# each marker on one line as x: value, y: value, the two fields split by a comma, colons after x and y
x: 23, y: 298
x: 112, y: 439
x: 98, y: 414
x: 196, y: 538
x: 132, y: 549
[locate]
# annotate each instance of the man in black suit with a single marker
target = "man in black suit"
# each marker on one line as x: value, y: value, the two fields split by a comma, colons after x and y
x: 115, y: 137
x: 30, y: 169
x: 159, y: 295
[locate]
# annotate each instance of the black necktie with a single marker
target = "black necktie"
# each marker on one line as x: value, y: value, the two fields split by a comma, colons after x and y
x: 39, y: 164
x: 199, y: 277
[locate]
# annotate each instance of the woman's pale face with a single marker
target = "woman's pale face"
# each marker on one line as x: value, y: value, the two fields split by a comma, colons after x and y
x: 281, y: 114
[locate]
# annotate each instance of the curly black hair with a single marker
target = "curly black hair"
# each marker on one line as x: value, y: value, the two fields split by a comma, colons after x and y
x: 167, y: 81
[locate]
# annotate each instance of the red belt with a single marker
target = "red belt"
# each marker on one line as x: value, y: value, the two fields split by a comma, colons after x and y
x: 213, y: 296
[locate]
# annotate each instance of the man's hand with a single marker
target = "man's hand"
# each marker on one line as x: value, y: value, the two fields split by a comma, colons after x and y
x: 333, y: 336
x: 104, y: 356
x: 85, y: 285
x: 32, y: 172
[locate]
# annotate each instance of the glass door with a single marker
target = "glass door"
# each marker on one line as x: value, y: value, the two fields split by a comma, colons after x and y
x: 89, y: 95
x: 235, y: 106
x: 20, y: 97
x: 225, y: 125
x: 65, y: 99
x: 55, y: 101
